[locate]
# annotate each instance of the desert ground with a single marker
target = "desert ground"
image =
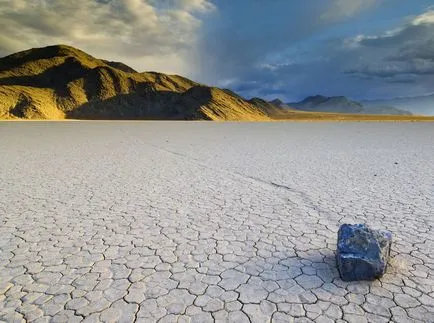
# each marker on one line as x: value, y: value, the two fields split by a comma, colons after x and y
x: 201, y: 222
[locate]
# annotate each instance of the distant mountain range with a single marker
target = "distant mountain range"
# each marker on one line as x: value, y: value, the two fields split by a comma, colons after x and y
x: 340, y: 104
x: 423, y: 105
x: 61, y: 82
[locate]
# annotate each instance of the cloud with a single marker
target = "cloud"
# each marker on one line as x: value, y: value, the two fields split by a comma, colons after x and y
x: 341, y: 9
x: 426, y: 18
x: 253, y: 42
x: 388, y: 69
x: 245, y: 33
x: 408, y: 49
x: 398, y: 60
x: 148, y: 34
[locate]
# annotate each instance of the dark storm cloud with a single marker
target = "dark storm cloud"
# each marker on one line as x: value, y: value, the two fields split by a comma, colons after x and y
x: 400, y: 60
x: 406, y: 50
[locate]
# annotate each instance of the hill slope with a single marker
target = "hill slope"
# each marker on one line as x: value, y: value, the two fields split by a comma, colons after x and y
x: 58, y: 82
x: 340, y: 104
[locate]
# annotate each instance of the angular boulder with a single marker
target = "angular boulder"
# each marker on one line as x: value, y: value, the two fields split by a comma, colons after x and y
x: 362, y: 253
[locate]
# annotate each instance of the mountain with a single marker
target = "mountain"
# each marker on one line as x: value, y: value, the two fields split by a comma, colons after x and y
x: 270, y: 108
x: 59, y: 82
x: 319, y: 103
x: 340, y: 104
x: 120, y: 66
x: 423, y: 105
x: 280, y: 104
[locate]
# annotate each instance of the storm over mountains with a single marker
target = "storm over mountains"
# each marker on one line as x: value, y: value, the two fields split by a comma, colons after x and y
x: 364, y: 50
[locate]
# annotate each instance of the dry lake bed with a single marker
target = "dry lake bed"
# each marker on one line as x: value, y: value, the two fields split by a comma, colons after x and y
x: 202, y: 222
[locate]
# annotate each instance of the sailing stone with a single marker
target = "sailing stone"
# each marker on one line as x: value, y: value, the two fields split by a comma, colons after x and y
x: 362, y: 253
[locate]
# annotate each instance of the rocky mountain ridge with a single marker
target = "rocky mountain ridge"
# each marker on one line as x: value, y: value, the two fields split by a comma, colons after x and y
x: 59, y: 82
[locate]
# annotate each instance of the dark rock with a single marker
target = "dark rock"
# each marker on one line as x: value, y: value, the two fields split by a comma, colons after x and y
x: 362, y: 253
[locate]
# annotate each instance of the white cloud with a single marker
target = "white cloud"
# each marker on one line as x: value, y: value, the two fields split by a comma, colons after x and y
x: 199, y: 5
x: 416, y: 26
x: 427, y: 18
x: 146, y: 34
x: 341, y: 9
x: 359, y: 40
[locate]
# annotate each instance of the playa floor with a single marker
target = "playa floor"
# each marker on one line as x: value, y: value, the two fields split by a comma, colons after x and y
x: 202, y: 222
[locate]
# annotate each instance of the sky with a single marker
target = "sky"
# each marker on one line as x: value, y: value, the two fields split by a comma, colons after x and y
x: 286, y: 49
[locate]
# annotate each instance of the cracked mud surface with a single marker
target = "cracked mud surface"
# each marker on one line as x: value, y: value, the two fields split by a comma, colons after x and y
x: 202, y: 222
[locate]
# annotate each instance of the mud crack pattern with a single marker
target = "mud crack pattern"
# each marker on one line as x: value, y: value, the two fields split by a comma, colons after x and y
x: 203, y: 222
